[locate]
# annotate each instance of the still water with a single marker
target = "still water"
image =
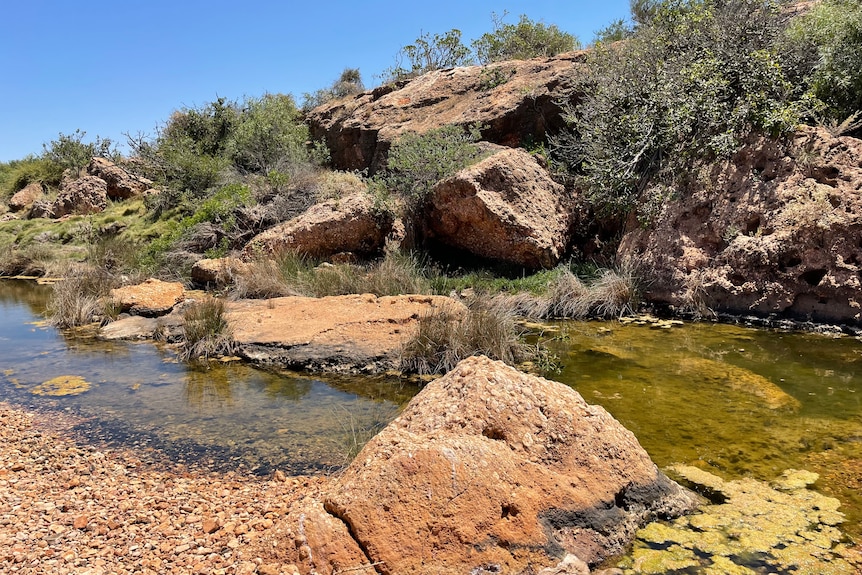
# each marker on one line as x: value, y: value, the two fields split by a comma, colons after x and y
x: 737, y: 402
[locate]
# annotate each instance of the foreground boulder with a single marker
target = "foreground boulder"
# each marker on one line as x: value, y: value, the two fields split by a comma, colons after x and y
x: 506, y: 208
x: 350, y: 224
x: 515, y: 102
x: 775, y: 230
x: 488, y: 470
x: 350, y: 333
x: 82, y: 196
x: 151, y: 298
x: 121, y: 184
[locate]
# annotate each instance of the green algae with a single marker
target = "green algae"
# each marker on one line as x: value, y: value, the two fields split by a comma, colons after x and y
x: 63, y: 385
x: 756, y: 526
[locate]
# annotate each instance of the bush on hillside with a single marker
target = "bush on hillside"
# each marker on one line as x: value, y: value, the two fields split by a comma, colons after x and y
x: 429, y: 53
x: 689, y: 84
x: 349, y: 83
x: 521, y: 41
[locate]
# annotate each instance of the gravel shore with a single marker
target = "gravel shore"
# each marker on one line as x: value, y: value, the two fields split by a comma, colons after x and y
x: 72, y: 508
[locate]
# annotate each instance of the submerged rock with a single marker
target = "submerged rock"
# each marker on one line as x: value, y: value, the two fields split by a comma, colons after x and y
x: 738, y: 379
x: 63, y: 385
x: 490, y: 470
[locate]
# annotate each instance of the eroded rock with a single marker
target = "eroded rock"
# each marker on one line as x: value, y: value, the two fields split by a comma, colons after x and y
x: 86, y: 195
x: 349, y: 224
x: 492, y: 469
x: 506, y: 208
x: 121, y: 184
x: 151, y: 298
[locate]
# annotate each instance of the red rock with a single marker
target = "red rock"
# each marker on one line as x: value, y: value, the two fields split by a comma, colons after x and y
x: 23, y: 199
x: 80, y: 522
x: 153, y: 297
x: 210, y: 525
x: 121, y: 184
x: 86, y: 195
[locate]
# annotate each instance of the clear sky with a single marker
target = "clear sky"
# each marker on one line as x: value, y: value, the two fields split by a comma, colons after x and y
x: 124, y: 66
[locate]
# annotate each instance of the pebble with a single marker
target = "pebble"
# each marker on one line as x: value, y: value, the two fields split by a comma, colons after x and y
x: 69, y: 508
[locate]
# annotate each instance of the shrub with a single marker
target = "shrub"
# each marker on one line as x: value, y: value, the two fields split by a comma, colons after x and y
x: 268, y: 135
x: 350, y: 82
x: 693, y: 79
x: 206, y: 332
x: 521, y: 41
x: 33, y: 260
x: 445, y: 337
x: 429, y: 53
x: 69, y: 152
x: 826, y: 42
x: 418, y: 161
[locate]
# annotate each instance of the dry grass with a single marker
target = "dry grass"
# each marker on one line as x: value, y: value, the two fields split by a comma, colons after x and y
x: 82, y: 297
x: 206, y: 332
x: 34, y: 260
x: 445, y: 337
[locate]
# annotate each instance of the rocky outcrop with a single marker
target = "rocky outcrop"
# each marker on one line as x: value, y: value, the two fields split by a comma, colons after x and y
x: 350, y: 224
x: 151, y: 298
x: 506, y: 208
x: 489, y: 470
x: 217, y: 272
x: 351, y: 333
x: 24, y: 198
x: 515, y: 102
x: 86, y: 195
x: 775, y: 230
x: 121, y: 183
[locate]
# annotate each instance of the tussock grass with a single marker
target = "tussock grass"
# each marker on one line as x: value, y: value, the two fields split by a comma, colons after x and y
x: 82, y: 298
x: 32, y: 260
x: 446, y: 336
x: 206, y: 332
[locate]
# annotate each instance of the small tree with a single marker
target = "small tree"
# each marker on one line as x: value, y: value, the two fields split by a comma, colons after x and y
x: 268, y: 135
x: 349, y: 83
x: 69, y: 151
x: 521, y: 41
x: 429, y: 53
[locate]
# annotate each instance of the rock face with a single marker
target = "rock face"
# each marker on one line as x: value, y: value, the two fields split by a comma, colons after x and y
x: 494, y: 471
x: 151, y: 298
x: 121, y: 184
x: 351, y: 333
x: 349, y: 224
x: 513, y: 101
x: 25, y: 198
x: 86, y: 195
x: 506, y: 207
x: 776, y: 230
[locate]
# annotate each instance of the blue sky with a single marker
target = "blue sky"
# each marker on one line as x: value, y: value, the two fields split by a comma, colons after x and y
x: 114, y: 67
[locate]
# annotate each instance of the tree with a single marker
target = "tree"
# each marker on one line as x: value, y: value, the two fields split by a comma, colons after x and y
x: 521, y: 41
x: 429, y: 53
x: 69, y: 151
x: 268, y: 135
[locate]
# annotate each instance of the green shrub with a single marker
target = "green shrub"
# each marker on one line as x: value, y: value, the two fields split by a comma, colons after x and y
x: 429, y: 53
x: 268, y: 135
x: 70, y: 152
x: 17, y: 174
x: 826, y: 43
x: 521, y: 41
x: 349, y: 83
x: 418, y: 161
x: 690, y: 83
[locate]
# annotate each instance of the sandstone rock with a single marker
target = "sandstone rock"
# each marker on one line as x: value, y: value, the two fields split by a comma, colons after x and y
x: 492, y: 470
x: 153, y: 297
x: 776, y: 230
x: 121, y: 183
x: 24, y: 198
x: 348, y: 333
x: 349, y: 224
x: 514, y: 101
x: 506, y: 208
x: 86, y: 195
x: 218, y: 271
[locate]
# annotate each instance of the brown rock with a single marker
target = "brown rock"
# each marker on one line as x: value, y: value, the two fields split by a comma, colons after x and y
x: 776, y: 230
x: 153, y: 297
x: 217, y: 272
x: 121, y: 184
x: 86, y: 195
x: 23, y: 199
x: 210, y: 525
x: 489, y: 468
x: 41, y: 209
x: 80, y: 522
x: 506, y: 208
x: 340, y: 333
x: 514, y: 101
x: 349, y: 224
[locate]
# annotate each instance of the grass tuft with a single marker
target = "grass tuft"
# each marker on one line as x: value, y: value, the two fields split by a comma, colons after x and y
x: 206, y: 332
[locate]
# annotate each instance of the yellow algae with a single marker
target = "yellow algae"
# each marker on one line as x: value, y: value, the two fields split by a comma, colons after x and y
x: 8, y: 372
x: 63, y: 385
x: 795, y: 479
x: 738, y: 379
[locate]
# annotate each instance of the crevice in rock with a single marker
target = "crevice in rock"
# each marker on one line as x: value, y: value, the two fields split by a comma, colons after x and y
x: 372, y: 564
x: 813, y: 277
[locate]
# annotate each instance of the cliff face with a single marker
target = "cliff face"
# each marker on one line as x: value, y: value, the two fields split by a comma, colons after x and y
x: 777, y: 229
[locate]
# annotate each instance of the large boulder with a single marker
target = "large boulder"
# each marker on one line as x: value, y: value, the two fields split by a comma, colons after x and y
x: 506, y: 207
x: 350, y: 333
x: 151, y: 298
x: 775, y: 230
x: 86, y: 195
x: 349, y: 224
x: 490, y: 470
x: 515, y: 102
x: 24, y: 198
x: 121, y: 183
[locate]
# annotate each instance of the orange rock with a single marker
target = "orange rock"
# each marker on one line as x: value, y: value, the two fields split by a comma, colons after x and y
x: 153, y: 297
x: 80, y: 522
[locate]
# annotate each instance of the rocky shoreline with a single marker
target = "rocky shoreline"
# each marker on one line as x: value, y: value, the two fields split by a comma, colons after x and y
x: 71, y: 508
